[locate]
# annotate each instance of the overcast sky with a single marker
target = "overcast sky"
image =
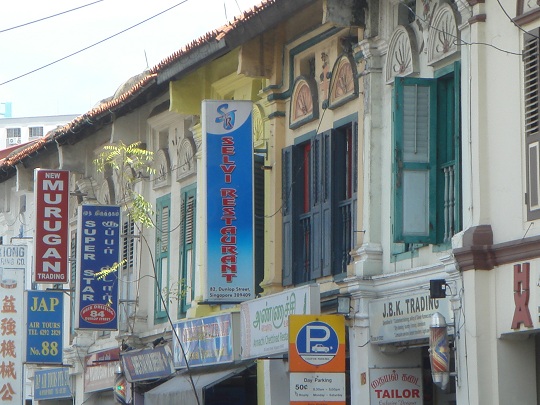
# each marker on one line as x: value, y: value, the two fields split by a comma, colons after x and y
x: 76, y: 84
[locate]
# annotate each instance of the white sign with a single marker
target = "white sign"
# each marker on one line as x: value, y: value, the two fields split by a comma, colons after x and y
x: 404, y: 318
x: 265, y: 320
x: 319, y: 387
x: 12, y: 269
x: 396, y: 386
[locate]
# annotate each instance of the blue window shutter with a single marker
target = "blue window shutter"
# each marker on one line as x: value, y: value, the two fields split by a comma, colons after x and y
x: 287, y: 214
x: 327, y: 202
x: 414, y: 160
x: 316, y: 189
x: 259, y: 221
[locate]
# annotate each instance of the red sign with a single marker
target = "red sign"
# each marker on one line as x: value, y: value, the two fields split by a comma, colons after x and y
x: 52, y: 226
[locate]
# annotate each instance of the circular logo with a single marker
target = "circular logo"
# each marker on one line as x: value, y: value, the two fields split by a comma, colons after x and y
x: 98, y: 314
x: 317, y: 343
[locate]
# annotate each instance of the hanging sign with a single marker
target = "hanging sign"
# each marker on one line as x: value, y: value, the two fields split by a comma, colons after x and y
x: 54, y: 383
x: 98, y: 250
x: 44, y: 326
x: 228, y: 153
x: 52, y: 226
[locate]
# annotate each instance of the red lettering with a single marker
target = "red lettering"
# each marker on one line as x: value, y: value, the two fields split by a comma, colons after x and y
x: 521, y: 296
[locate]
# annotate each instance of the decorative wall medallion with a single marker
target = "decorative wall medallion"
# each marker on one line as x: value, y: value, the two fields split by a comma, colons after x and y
x: 324, y: 77
x: 125, y: 183
x: 527, y: 6
x: 162, y: 164
x: 344, y: 84
x: 304, y: 102
x: 402, y: 58
x: 185, y: 155
x: 443, y: 35
x: 258, y: 124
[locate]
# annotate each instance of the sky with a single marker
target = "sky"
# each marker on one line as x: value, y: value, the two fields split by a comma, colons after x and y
x: 77, y: 83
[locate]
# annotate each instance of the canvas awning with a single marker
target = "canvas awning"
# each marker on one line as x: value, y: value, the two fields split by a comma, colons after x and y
x: 179, y: 390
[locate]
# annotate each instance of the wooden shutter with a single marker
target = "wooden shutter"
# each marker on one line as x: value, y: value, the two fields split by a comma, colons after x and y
x: 327, y: 203
x: 316, y: 198
x: 287, y: 214
x: 415, y: 160
x: 163, y: 206
x: 259, y: 221
x: 531, y: 65
x: 187, y: 246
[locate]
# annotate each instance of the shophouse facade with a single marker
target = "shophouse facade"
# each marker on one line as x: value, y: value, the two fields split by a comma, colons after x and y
x: 383, y: 162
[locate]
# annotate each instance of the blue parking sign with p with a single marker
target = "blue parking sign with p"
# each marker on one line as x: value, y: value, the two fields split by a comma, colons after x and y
x: 316, y: 342
x: 317, y: 338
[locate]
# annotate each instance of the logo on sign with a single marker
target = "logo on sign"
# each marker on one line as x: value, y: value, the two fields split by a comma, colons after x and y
x: 317, y: 343
x: 226, y: 117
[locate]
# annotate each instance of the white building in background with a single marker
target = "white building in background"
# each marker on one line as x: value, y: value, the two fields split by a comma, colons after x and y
x: 14, y: 131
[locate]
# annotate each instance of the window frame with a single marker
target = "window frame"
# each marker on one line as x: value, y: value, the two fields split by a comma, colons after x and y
x: 187, y: 290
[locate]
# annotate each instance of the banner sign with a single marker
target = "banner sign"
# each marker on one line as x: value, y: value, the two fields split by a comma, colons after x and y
x: 265, y: 321
x: 396, y: 386
x: 52, y: 226
x: 44, y: 326
x: 98, y: 249
x: 13, y: 261
x: 148, y: 364
x: 99, y: 373
x: 228, y: 152
x: 206, y: 340
x: 54, y: 383
x: 404, y: 318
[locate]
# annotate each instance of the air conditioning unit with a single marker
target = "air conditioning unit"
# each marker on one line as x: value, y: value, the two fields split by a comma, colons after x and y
x: 13, y: 141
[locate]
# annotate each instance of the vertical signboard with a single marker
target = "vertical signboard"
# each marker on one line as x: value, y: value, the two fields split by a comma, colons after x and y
x: 12, y: 269
x: 52, y: 226
x: 317, y: 359
x: 98, y: 250
x: 228, y: 153
x: 44, y: 326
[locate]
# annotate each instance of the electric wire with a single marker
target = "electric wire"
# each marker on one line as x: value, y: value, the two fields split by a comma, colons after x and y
x: 50, y: 16
x: 92, y: 45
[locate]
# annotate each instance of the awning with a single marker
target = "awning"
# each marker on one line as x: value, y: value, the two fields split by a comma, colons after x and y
x: 178, y: 390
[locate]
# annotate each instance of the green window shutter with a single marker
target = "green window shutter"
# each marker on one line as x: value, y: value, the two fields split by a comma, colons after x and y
x: 259, y: 221
x: 531, y: 66
x: 327, y: 202
x: 187, y: 247
x: 414, y: 160
x: 163, y: 206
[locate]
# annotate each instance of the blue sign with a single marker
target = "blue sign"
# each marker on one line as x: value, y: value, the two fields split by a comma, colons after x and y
x: 44, y: 326
x: 204, y: 341
x: 99, y: 249
x: 317, y: 343
x: 147, y: 364
x: 52, y: 384
x: 228, y: 143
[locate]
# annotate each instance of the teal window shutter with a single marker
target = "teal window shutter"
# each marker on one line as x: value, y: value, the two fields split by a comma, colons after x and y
x: 287, y: 214
x: 415, y: 165
x: 163, y: 207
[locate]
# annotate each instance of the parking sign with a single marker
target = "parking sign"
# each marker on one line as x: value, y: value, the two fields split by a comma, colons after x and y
x: 317, y: 343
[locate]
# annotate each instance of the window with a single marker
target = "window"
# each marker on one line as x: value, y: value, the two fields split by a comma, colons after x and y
x: 187, y: 248
x: 319, y: 204
x: 531, y: 65
x: 35, y: 132
x: 127, y: 276
x: 13, y: 136
x: 426, y: 167
x: 163, y: 206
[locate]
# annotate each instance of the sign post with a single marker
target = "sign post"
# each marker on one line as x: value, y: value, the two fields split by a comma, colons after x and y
x: 317, y: 359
